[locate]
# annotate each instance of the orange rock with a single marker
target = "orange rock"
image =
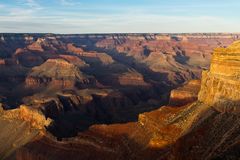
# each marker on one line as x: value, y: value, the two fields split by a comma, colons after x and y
x: 72, y: 48
x: 188, y: 93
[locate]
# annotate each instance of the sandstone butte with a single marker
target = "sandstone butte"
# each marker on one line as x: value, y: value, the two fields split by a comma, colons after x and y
x: 207, y: 128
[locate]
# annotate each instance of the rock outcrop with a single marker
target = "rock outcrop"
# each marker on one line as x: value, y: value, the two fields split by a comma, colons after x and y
x: 220, y: 84
x: 19, y: 127
x: 214, y: 133
x: 188, y: 93
x: 30, y: 115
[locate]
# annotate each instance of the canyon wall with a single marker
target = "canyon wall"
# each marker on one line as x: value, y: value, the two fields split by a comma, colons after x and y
x: 188, y: 93
x: 220, y: 84
x: 83, y: 81
x: 142, y: 67
x: 205, y: 129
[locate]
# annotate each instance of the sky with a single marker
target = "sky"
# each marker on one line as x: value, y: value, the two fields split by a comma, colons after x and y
x: 119, y: 16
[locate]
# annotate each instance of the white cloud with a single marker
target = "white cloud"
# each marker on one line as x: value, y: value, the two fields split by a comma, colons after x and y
x: 30, y: 19
x: 67, y: 2
x: 116, y: 23
x: 26, y: 11
x: 2, y: 6
x: 32, y: 3
x: 20, y: 12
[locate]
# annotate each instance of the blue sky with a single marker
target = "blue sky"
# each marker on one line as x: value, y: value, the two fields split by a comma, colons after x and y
x: 119, y: 16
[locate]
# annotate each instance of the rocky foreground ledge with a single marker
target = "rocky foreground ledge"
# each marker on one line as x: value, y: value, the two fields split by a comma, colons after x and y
x: 208, y: 128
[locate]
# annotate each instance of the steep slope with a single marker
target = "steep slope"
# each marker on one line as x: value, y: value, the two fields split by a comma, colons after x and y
x: 215, y: 135
x: 221, y: 83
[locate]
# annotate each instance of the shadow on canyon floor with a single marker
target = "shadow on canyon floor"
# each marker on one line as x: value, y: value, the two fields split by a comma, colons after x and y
x: 107, y: 110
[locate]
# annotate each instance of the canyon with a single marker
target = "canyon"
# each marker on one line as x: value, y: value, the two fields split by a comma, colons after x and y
x: 119, y: 96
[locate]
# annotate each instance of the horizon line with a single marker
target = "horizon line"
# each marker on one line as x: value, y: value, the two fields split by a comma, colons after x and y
x: 110, y: 33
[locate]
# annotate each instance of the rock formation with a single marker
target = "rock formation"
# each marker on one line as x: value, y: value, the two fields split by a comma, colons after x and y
x: 65, y: 84
x: 221, y: 82
x: 57, y: 72
x: 19, y: 126
x: 73, y: 49
x: 188, y: 93
x: 200, y: 130
x: 34, y: 117
x: 74, y: 60
x: 214, y: 134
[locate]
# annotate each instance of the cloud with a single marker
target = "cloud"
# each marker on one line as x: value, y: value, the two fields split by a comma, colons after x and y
x: 67, y: 2
x: 20, y: 12
x: 31, y: 3
x: 2, y: 6
x: 23, y: 4
x: 23, y: 12
x: 126, y: 23
x: 101, y: 19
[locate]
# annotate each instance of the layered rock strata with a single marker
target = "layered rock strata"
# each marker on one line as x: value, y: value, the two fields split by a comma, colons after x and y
x: 58, y: 72
x: 220, y: 84
x: 204, y: 129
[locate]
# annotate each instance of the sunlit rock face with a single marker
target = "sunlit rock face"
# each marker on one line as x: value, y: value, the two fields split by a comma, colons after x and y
x: 19, y: 127
x: 215, y: 134
x: 225, y: 61
x: 220, y: 85
x: 34, y: 117
x: 58, y: 72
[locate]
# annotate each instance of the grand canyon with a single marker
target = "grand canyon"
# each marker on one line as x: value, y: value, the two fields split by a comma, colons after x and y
x: 119, y: 96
